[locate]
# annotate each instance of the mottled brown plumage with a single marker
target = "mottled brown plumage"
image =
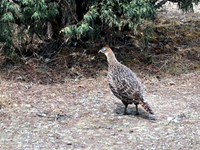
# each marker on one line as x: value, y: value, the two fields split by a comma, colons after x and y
x: 123, y: 83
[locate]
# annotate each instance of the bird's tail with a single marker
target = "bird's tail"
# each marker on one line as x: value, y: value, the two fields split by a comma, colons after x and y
x: 146, y: 106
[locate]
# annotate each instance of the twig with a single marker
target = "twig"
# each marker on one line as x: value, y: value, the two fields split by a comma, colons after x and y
x: 2, y: 47
x: 164, y: 64
x: 38, y: 91
x: 56, y: 117
x: 44, y: 115
x: 177, y: 118
x: 171, y: 120
x: 99, y: 127
x: 81, y: 56
x: 71, y: 11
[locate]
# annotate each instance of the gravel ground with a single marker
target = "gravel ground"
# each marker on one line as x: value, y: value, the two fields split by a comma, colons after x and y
x: 85, y: 115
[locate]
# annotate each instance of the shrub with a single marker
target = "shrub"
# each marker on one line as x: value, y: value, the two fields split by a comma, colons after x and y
x: 22, y: 21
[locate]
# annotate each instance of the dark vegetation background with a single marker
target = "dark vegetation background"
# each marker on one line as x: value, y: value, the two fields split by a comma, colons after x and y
x: 46, y: 41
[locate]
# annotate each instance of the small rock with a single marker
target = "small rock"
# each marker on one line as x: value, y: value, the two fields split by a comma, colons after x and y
x: 69, y: 143
x: 47, y: 60
x: 171, y: 83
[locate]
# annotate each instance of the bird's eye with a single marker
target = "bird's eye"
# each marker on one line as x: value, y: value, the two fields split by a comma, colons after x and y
x: 104, y: 48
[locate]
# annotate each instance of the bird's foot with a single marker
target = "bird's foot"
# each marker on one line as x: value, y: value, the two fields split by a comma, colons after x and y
x: 126, y: 113
x: 120, y: 113
x: 137, y: 113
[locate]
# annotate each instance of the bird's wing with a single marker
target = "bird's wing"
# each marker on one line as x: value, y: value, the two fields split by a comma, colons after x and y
x: 127, y: 84
x: 114, y: 89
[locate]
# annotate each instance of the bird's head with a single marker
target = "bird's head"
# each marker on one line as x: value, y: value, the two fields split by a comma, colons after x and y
x: 109, y: 54
x: 106, y: 49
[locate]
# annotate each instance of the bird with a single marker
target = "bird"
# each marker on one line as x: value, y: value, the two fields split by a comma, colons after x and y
x: 124, y: 83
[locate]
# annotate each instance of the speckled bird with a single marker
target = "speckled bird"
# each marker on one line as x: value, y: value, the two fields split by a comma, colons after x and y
x: 124, y: 83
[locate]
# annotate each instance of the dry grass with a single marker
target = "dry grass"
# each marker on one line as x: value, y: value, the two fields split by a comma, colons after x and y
x: 85, y: 115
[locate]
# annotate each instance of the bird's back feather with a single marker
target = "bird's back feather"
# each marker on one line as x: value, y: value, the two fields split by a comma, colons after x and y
x: 124, y: 82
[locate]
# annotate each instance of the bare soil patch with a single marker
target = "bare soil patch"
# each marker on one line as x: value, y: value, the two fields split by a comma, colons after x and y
x: 85, y: 115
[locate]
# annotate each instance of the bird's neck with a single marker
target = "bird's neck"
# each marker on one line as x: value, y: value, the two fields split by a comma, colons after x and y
x: 112, y: 61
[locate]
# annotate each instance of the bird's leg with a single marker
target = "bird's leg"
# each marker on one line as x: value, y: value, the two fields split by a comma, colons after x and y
x: 136, y: 106
x: 125, y: 108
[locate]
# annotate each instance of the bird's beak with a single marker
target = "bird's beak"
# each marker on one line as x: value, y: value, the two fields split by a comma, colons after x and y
x: 100, y: 51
